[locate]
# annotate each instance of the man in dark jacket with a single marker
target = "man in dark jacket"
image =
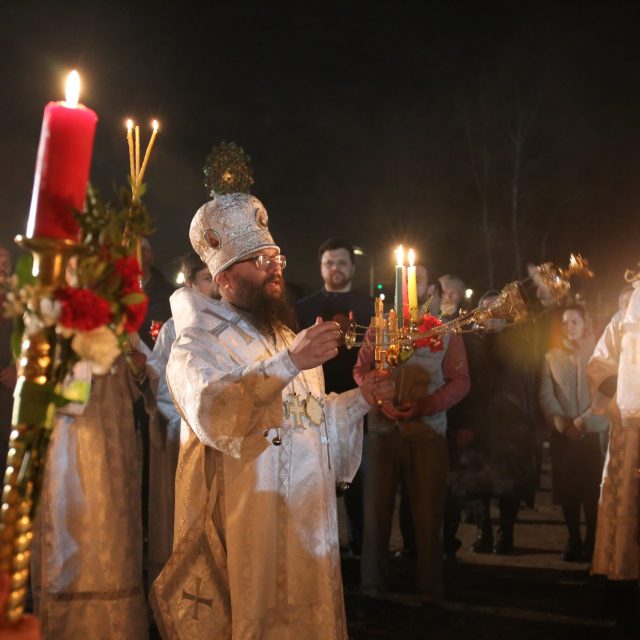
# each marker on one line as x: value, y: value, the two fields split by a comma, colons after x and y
x: 336, y: 301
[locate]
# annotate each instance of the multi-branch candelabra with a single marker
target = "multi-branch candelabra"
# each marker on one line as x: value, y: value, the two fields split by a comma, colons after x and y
x: 517, y: 302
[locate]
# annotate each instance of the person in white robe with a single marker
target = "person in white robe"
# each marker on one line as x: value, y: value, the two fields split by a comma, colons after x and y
x: 164, y: 430
x: 87, y: 576
x: 614, y: 374
x: 256, y: 538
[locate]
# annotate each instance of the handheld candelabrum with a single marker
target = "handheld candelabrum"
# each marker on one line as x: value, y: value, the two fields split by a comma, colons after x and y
x: 517, y: 302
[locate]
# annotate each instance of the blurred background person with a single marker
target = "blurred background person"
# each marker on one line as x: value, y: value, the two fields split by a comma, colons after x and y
x: 158, y: 289
x: 434, y: 296
x: 164, y: 429
x: 494, y: 436
x: 453, y: 289
x: 576, y: 454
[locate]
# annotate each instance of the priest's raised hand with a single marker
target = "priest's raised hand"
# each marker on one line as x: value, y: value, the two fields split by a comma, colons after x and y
x: 316, y: 344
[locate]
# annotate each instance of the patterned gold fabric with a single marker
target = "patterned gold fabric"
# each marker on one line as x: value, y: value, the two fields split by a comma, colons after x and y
x: 616, y: 551
x: 87, y: 557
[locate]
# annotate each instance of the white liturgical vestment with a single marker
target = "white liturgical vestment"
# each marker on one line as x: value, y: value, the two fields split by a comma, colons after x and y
x: 164, y: 444
x: 256, y: 538
x: 87, y: 556
x: 617, y: 353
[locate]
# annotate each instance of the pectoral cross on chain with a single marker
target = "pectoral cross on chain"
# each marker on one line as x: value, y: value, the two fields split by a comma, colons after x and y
x: 197, y: 600
x: 295, y: 409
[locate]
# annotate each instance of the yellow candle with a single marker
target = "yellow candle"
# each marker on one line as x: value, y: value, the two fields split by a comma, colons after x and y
x: 137, y: 131
x: 147, y: 153
x: 132, y: 167
x: 412, y: 288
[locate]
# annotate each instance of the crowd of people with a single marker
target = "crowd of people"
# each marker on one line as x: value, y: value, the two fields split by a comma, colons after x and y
x: 202, y: 476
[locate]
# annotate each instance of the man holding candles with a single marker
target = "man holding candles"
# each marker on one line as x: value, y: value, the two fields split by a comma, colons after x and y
x: 406, y: 439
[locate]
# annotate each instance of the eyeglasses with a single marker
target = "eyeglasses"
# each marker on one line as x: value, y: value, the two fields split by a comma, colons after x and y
x: 263, y: 262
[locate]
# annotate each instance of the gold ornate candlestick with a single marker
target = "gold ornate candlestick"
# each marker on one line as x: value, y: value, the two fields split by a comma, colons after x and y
x: 40, y: 374
x: 517, y: 302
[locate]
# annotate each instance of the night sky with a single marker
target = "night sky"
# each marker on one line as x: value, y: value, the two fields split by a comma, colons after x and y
x: 382, y: 123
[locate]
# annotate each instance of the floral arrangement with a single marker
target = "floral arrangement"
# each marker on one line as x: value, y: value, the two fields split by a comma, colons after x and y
x: 435, y: 342
x: 91, y: 317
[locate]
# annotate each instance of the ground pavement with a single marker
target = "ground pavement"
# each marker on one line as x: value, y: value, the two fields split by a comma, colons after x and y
x: 530, y: 594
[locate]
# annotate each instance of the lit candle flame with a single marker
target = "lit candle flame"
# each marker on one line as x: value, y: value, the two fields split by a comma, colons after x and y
x: 399, y: 256
x: 142, y: 171
x: 132, y: 162
x: 411, y: 257
x: 72, y: 90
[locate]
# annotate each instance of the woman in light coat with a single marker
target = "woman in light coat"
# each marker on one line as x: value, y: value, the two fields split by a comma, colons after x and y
x: 576, y: 453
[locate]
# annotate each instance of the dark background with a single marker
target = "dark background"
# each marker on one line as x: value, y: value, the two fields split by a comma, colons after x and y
x: 381, y: 122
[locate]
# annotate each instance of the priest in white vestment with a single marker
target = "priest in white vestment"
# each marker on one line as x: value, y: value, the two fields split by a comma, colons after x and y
x: 87, y: 557
x: 614, y: 371
x: 256, y: 537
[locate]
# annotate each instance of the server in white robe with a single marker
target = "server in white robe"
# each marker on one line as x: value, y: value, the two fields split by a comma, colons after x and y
x: 87, y: 558
x: 256, y: 539
x: 614, y: 372
x: 164, y: 444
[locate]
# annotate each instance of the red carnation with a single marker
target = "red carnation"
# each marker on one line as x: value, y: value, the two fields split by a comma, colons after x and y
x: 82, y: 309
x: 129, y: 270
x: 435, y: 343
x: 134, y: 315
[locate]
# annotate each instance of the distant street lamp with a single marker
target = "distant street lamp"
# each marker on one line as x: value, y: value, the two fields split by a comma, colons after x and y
x: 359, y: 251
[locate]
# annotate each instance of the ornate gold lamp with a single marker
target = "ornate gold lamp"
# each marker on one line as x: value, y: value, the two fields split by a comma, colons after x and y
x: 517, y: 302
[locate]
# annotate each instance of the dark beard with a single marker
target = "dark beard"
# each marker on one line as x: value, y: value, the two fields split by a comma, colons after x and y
x: 264, y: 310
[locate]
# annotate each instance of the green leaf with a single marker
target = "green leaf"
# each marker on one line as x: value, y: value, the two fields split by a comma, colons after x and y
x: 133, y: 298
x: 24, y: 268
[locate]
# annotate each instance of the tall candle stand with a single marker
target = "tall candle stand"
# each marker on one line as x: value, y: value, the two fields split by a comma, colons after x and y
x: 40, y: 374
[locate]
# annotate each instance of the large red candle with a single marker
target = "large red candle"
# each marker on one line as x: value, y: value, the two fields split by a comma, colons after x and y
x: 62, y: 166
